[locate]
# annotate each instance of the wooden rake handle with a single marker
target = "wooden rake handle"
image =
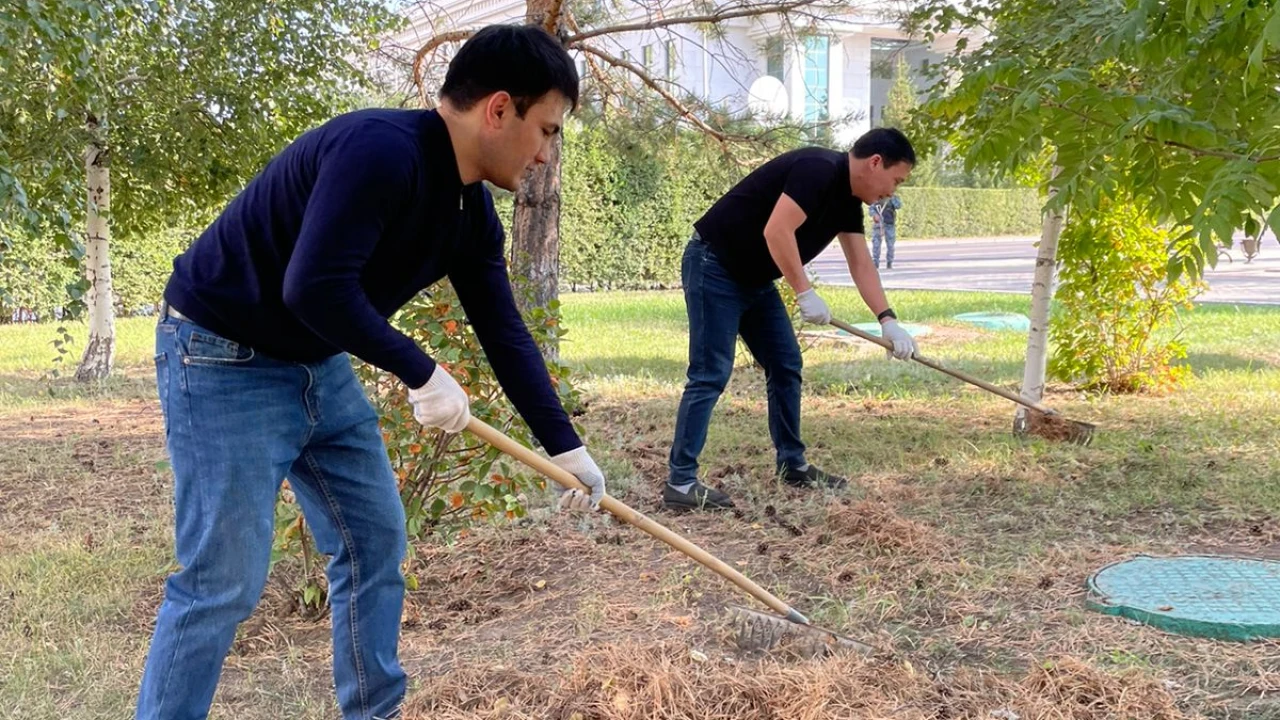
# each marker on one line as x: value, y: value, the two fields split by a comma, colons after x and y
x: 621, y: 511
x: 1007, y: 395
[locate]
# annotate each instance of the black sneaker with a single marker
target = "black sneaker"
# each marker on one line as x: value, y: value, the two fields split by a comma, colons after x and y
x: 699, y: 497
x: 811, y: 477
x: 888, y: 266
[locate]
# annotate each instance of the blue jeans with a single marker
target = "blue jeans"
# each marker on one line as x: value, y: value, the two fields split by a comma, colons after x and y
x: 720, y: 309
x: 236, y: 424
x: 889, y: 233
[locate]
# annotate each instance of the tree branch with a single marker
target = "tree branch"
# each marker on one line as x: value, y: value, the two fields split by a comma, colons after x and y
x: 654, y: 85
x: 714, y: 17
x: 427, y: 49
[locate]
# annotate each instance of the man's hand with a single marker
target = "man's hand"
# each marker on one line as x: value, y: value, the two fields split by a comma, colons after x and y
x: 813, y: 309
x: 904, y: 346
x: 579, y: 462
x: 441, y: 403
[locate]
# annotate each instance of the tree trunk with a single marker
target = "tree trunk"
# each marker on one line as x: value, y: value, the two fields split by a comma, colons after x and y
x: 535, y: 237
x: 535, y: 245
x: 1033, y: 373
x: 99, y: 350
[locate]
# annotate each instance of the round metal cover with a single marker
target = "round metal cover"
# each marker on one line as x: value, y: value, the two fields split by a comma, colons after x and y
x: 1228, y: 598
x: 997, y: 320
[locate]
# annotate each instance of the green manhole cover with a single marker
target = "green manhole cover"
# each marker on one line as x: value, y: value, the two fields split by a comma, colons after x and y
x: 997, y: 320
x: 873, y: 328
x: 1228, y: 598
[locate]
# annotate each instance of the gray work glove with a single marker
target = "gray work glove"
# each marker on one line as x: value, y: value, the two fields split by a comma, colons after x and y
x: 578, y: 462
x: 904, y: 346
x: 813, y: 309
x: 441, y: 403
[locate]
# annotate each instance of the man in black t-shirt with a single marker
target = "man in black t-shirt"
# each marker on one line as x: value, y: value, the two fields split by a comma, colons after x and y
x: 768, y: 226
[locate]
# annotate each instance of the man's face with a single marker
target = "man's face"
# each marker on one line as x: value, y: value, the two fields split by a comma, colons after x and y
x: 878, y: 182
x: 516, y: 144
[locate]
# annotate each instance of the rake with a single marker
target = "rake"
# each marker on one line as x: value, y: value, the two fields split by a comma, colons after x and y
x: 753, y: 629
x: 1041, y: 421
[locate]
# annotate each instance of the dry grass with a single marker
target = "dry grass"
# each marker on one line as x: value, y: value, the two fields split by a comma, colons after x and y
x: 668, y: 682
x: 957, y: 549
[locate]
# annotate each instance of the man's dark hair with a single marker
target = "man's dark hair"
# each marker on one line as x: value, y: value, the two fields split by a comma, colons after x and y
x: 525, y: 61
x: 889, y: 143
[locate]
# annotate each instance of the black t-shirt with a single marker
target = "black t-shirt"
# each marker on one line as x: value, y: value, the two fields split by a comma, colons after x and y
x: 817, y: 179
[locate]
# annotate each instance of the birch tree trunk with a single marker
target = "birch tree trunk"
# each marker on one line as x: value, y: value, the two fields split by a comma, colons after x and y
x: 1033, y: 372
x: 99, y: 349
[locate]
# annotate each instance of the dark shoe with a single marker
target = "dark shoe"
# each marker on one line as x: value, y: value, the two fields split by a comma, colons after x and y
x: 699, y: 497
x: 811, y: 477
x: 888, y: 266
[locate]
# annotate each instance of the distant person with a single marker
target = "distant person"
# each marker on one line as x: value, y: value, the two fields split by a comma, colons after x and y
x: 884, y: 227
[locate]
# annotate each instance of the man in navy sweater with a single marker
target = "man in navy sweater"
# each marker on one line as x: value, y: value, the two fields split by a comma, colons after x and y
x: 302, y: 269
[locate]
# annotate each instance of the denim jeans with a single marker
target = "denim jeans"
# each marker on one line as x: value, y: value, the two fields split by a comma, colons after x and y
x: 236, y: 424
x: 889, y: 234
x: 720, y: 309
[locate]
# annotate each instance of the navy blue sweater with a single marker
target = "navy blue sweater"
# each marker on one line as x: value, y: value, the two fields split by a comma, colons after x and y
x: 343, y: 228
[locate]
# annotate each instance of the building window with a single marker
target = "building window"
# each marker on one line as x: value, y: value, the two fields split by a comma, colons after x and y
x: 816, y: 80
x: 648, y: 57
x: 884, y: 57
x: 672, y: 60
x: 775, y: 59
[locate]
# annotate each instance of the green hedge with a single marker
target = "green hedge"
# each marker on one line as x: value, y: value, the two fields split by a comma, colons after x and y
x: 34, y: 274
x: 630, y: 200
x: 929, y: 212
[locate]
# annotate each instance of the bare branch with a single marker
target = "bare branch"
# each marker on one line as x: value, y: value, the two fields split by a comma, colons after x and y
x: 427, y: 49
x: 714, y: 17
x: 654, y: 85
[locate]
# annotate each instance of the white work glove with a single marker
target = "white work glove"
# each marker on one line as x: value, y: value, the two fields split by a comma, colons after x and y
x: 441, y: 403
x: 579, y: 463
x: 904, y: 346
x: 813, y: 309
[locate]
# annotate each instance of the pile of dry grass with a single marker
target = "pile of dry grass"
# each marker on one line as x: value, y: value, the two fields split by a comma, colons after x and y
x: 875, y: 526
x: 669, y: 682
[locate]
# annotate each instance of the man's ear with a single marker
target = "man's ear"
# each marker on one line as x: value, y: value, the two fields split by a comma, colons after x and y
x: 498, y: 108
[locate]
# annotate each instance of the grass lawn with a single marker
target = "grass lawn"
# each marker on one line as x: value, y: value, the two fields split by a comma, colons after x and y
x: 958, y: 549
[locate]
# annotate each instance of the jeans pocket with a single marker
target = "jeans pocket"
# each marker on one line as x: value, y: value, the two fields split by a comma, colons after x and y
x: 206, y: 348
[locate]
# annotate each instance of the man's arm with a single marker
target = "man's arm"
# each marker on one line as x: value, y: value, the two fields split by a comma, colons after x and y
x: 361, y: 186
x: 484, y: 287
x: 863, y: 271
x: 780, y: 236
x: 867, y: 278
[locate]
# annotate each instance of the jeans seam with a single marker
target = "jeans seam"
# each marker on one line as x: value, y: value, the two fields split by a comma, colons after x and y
x: 204, y: 503
x: 352, y: 611
x: 173, y: 659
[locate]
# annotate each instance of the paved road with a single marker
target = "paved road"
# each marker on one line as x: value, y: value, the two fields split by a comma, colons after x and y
x: 1007, y: 264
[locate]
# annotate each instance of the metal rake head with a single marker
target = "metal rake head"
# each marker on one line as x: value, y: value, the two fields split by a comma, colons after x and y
x: 755, y: 630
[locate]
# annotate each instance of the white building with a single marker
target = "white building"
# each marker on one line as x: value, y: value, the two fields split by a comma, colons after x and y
x: 837, y: 69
